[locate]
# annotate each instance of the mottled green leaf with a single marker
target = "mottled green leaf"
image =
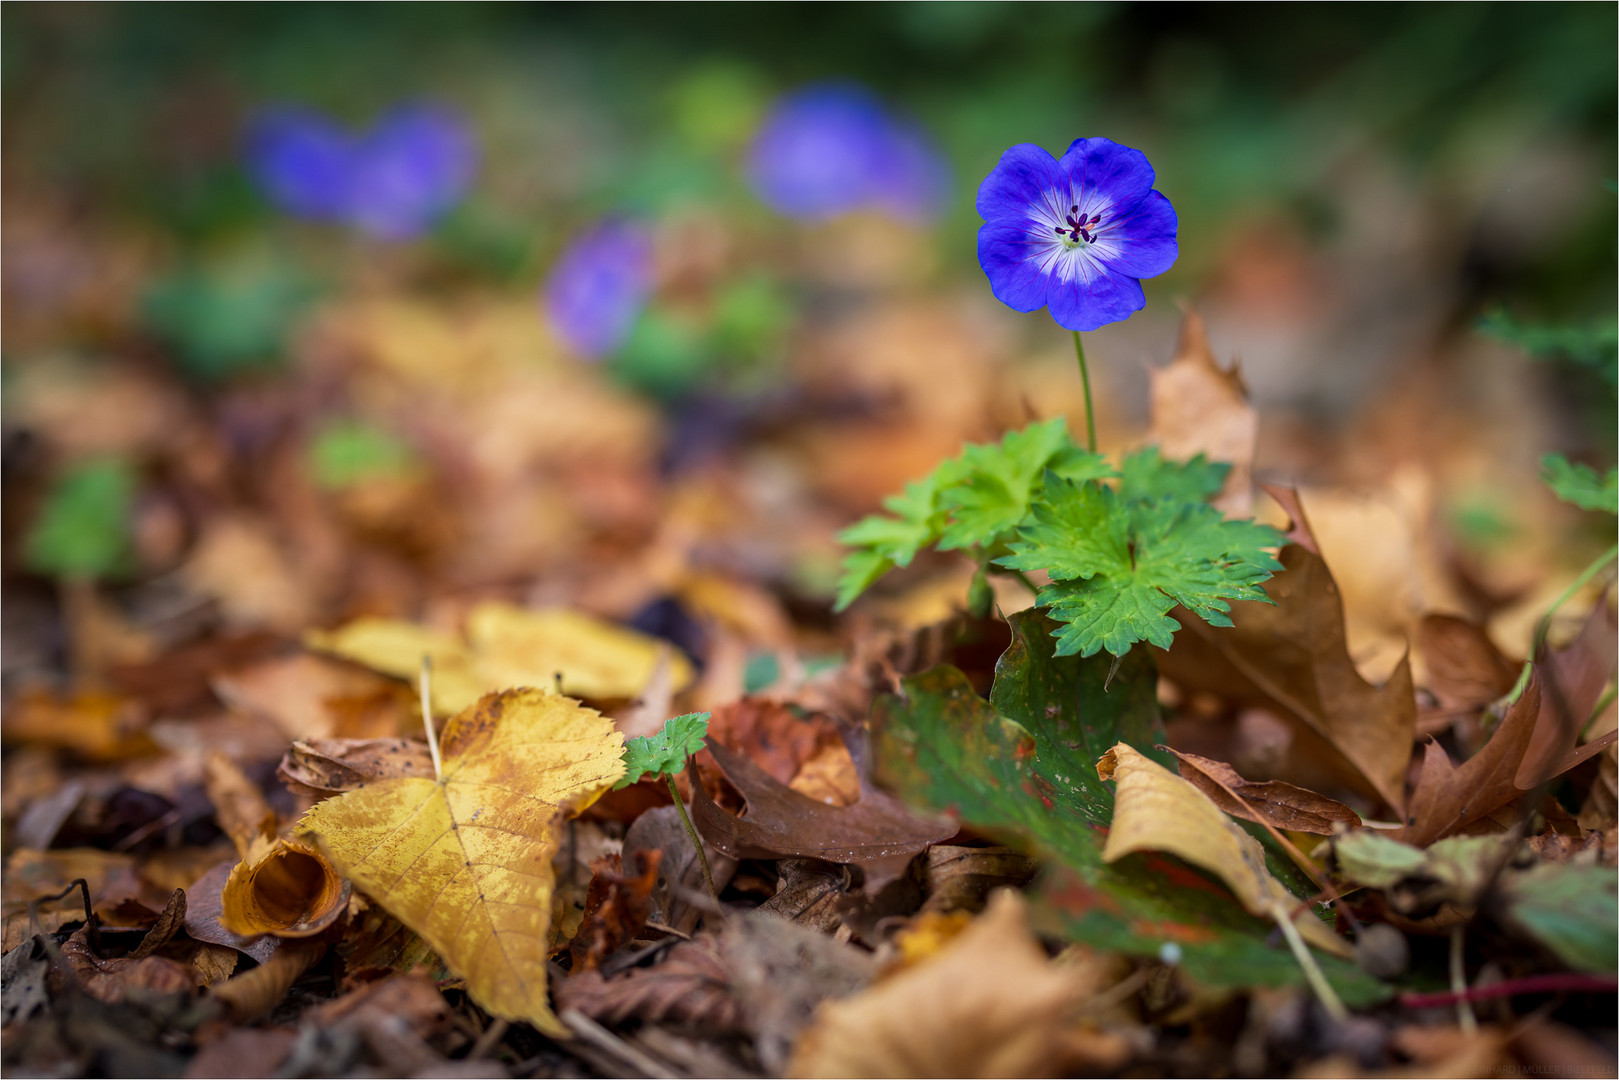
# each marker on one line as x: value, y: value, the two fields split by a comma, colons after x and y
x: 1572, y: 910
x: 1024, y: 770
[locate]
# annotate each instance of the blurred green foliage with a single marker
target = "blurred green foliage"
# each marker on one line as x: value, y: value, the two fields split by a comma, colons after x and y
x: 82, y: 528
x: 350, y: 452
x: 228, y: 316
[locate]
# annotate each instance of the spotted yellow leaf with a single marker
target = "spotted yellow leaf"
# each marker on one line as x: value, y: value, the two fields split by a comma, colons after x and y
x: 465, y: 860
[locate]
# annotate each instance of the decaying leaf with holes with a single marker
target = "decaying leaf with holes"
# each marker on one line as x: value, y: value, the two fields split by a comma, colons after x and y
x: 465, y: 860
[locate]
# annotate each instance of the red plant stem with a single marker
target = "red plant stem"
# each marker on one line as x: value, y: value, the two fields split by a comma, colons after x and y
x: 1532, y: 984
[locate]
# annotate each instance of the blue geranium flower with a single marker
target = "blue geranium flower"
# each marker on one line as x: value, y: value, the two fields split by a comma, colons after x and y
x: 598, y: 287
x: 1075, y: 235
x: 408, y: 170
x: 832, y: 148
x: 391, y: 182
x: 302, y: 161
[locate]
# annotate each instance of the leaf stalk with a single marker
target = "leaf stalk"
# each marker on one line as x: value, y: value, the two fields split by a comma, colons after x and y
x: 427, y: 716
x: 691, y: 831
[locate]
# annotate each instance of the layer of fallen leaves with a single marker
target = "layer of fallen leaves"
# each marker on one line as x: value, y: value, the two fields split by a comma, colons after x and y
x: 919, y: 870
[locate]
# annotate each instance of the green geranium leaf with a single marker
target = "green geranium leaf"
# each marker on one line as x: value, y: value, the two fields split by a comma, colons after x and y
x: 666, y: 752
x: 999, y: 481
x: 1117, y: 567
x: 1146, y: 475
x: 975, y: 499
x: 83, y: 527
x: 1023, y: 769
x: 1580, y: 484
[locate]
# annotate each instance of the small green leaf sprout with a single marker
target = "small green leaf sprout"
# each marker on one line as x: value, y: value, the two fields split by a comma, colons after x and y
x: 665, y: 754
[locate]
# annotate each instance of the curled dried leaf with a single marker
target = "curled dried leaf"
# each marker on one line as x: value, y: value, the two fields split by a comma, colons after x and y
x: 283, y: 888
x: 318, y: 768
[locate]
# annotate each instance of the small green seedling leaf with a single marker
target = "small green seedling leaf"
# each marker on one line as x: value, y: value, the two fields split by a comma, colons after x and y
x: 1117, y: 567
x: 665, y: 753
x: 1580, y: 484
x: 83, y: 527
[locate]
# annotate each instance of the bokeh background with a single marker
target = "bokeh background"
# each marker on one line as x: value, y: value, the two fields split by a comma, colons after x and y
x: 233, y: 403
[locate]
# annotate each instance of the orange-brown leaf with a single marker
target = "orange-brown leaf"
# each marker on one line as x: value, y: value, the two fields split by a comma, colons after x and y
x: 1294, y: 658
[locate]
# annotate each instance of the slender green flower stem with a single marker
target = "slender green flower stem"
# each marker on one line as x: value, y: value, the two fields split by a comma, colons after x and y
x: 1545, y: 622
x: 1090, y: 412
x: 691, y: 831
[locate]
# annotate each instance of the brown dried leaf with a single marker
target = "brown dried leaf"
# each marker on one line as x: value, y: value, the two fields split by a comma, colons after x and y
x: 1293, y: 657
x: 111, y: 979
x: 240, y: 807
x: 97, y: 726
x: 988, y: 1004
x: 319, y: 768
x: 616, y: 907
x: 1465, y: 669
x: 1281, y: 804
x: 690, y: 987
x: 961, y: 878
x: 169, y: 923
x: 878, y: 833
x: 1448, y: 798
x: 1197, y: 408
x: 204, y: 904
x: 300, y: 695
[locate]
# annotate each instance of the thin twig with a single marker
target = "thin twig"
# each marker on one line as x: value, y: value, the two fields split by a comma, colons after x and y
x: 427, y: 717
x: 593, y: 1033
x: 92, y: 926
x: 489, y: 1039
x: 1312, y: 971
x: 1543, y: 627
x: 1458, y: 983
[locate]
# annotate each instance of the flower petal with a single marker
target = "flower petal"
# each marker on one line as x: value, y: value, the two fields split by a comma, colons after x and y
x: 1101, y: 167
x: 1143, y: 239
x: 1094, y: 297
x: 1025, y: 176
x: 1011, y: 255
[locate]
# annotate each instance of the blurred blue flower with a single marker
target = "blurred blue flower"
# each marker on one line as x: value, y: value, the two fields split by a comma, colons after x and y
x: 302, y: 161
x: 391, y: 182
x: 832, y: 148
x: 598, y: 287
x: 1074, y: 235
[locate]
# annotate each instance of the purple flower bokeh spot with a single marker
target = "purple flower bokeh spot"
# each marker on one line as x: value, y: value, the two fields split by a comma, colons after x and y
x: 833, y: 148
x: 598, y: 287
x: 391, y: 182
x: 1074, y: 235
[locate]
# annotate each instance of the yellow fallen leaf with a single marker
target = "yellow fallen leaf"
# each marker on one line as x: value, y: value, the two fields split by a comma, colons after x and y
x: 396, y: 648
x: 988, y: 1003
x: 507, y: 646
x: 465, y: 860
x: 1155, y: 810
x: 517, y: 647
